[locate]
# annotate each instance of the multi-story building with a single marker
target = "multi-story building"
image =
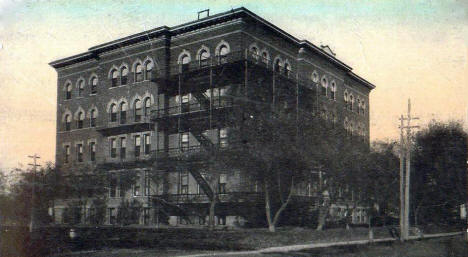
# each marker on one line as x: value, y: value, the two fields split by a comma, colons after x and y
x: 147, y: 102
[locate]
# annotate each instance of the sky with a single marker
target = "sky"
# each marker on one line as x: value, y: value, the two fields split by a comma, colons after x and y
x: 414, y: 49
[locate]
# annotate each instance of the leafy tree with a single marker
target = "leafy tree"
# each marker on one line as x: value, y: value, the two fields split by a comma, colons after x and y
x: 438, y: 179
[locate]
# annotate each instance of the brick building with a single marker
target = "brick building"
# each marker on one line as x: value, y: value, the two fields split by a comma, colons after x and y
x: 145, y: 102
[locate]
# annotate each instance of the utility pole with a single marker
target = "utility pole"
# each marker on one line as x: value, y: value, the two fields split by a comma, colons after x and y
x: 405, y: 153
x: 34, y: 165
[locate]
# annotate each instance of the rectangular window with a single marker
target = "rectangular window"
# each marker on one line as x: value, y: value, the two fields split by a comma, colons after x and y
x: 123, y: 80
x: 111, y: 216
x: 123, y: 147
x: 222, y: 183
x: 221, y: 220
x: 137, y: 146
x: 136, y: 189
x: 223, y: 137
x: 79, y: 152
x: 185, y: 107
x: 113, y: 144
x: 146, y: 216
x: 114, y: 82
x: 147, y: 183
x: 184, y: 183
x: 93, y: 122
x: 123, y: 117
x: 184, y: 141
x: 67, y: 125
x: 92, y: 151
x: 68, y: 96
x: 67, y: 153
x: 324, y: 91
x: 199, y: 189
x: 147, y: 144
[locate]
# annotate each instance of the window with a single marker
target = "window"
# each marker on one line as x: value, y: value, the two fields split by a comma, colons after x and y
x: 204, y: 55
x: 277, y: 66
x: 124, y: 76
x: 184, y: 183
x: 112, y: 185
x: 79, y: 152
x: 67, y: 154
x: 80, y: 87
x: 333, y: 91
x: 113, y: 117
x: 201, y: 220
x: 185, y: 106
x: 115, y: 76
x: 136, y: 188
x: 351, y: 102
x: 199, y: 189
x: 265, y: 57
x: 123, y: 148
x: 113, y: 144
x: 222, y: 183
x: 223, y: 137
x: 146, y: 215
x: 315, y: 76
x: 123, y: 113
x: 223, y: 52
x: 68, y: 89
x: 138, y: 110
x: 92, y: 151
x: 185, y: 61
x: 147, y: 183
x: 138, y: 73
x: 111, y: 216
x: 222, y: 220
x: 287, y: 69
x: 80, y: 121
x: 346, y: 98
x: 147, y: 139
x: 148, y: 70
x: 147, y: 107
x: 358, y: 101
x: 67, y: 122
x: 92, y: 118
x: 363, y: 107
x: 184, y: 141
x: 137, y: 146
x: 254, y: 52
x: 94, y: 82
x: 324, y: 83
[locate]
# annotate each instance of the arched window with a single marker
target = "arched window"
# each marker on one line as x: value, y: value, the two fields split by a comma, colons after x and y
x: 124, y: 76
x: 138, y: 73
x: 138, y: 110
x: 287, y: 69
x: 147, y: 106
x: 265, y: 58
x: 345, y: 96
x: 363, y: 108
x: 93, y: 116
x: 203, y: 57
x: 115, y: 76
x: 185, y: 62
x: 254, y: 52
x: 223, y: 52
x: 113, y: 116
x: 67, y: 122
x: 277, y: 66
x: 358, y: 105
x: 68, y: 89
x: 149, y: 66
x: 94, y: 82
x: 333, y: 90
x: 80, y: 121
x: 324, y: 83
x: 351, y: 102
x: 123, y: 113
x: 80, y: 87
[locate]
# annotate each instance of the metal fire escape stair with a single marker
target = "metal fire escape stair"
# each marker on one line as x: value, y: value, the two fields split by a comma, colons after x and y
x: 202, y: 99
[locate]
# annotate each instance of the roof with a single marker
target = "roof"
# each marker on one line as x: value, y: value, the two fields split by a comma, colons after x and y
x: 94, y: 51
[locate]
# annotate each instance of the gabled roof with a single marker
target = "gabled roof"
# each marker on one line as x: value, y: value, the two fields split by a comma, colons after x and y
x: 94, y: 52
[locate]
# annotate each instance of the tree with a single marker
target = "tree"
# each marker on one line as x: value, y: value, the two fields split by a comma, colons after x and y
x: 438, y: 180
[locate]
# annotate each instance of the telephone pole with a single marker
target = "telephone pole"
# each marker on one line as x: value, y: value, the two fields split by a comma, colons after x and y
x: 34, y: 165
x: 405, y: 155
